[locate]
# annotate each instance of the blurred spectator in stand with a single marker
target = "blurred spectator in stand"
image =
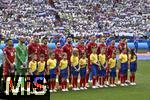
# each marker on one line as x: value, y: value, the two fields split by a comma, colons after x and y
x: 51, y: 2
x: 62, y: 40
x: 136, y: 44
x: 148, y: 43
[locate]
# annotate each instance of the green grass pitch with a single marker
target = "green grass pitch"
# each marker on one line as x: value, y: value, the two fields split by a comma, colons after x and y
x: 139, y: 92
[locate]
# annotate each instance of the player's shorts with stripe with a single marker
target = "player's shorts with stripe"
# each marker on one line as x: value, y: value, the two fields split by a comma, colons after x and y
x: 133, y: 66
x: 83, y: 72
x: 124, y: 68
x: 64, y: 73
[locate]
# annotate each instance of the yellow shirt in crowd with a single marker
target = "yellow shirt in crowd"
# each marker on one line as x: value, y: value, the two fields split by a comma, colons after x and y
x: 63, y: 64
x: 123, y: 58
x: 133, y: 59
x: 41, y: 66
x: 83, y: 62
x: 51, y: 63
x: 93, y: 58
x: 112, y: 63
x: 74, y: 60
x: 32, y: 66
x: 102, y: 58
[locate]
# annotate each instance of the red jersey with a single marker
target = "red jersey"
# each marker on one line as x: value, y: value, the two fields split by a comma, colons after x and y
x: 89, y: 50
x: 89, y: 47
x: 34, y: 48
x: 67, y: 48
x: 121, y: 46
x: 110, y: 50
x: 100, y: 46
x: 58, y: 53
x: 81, y: 48
x: 44, y: 50
x: 10, y: 53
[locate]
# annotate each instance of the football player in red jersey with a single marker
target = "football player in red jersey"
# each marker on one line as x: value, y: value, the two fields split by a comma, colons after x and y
x: 90, y: 45
x: 58, y: 56
x: 34, y: 48
x: 67, y: 48
x: 101, y: 45
x: 81, y: 47
x: 110, y: 50
x: 9, y: 66
x: 58, y: 51
x: 122, y: 44
x: 9, y: 54
x: 44, y: 48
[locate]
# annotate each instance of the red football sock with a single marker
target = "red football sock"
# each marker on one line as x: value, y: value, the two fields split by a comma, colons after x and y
x: 59, y: 79
x: 133, y: 77
x: 103, y: 80
x: 113, y: 80
x: 107, y: 75
x: 50, y: 85
x: 94, y: 81
x: 70, y: 79
x: 122, y: 79
x: 87, y: 78
x: 76, y: 82
x: 110, y: 80
x: 97, y: 78
x: 126, y: 76
x: 106, y: 78
x: 81, y: 81
x: 119, y: 75
x: 65, y: 84
x: 84, y: 81
x: 73, y: 82
x: 100, y: 81
x: 62, y: 84
x: 53, y: 84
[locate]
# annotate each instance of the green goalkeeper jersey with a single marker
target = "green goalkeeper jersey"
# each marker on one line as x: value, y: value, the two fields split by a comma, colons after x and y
x: 21, y: 57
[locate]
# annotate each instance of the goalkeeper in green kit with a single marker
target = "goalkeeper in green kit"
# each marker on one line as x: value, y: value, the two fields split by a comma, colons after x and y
x: 21, y: 62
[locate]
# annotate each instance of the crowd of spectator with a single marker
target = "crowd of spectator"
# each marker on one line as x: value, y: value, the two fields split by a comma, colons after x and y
x: 79, y: 17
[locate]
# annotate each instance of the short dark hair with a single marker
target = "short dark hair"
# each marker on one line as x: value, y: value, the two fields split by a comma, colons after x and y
x: 8, y: 39
x: 44, y: 38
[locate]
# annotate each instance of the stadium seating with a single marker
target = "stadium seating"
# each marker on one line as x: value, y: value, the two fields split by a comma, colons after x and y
x: 84, y: 16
